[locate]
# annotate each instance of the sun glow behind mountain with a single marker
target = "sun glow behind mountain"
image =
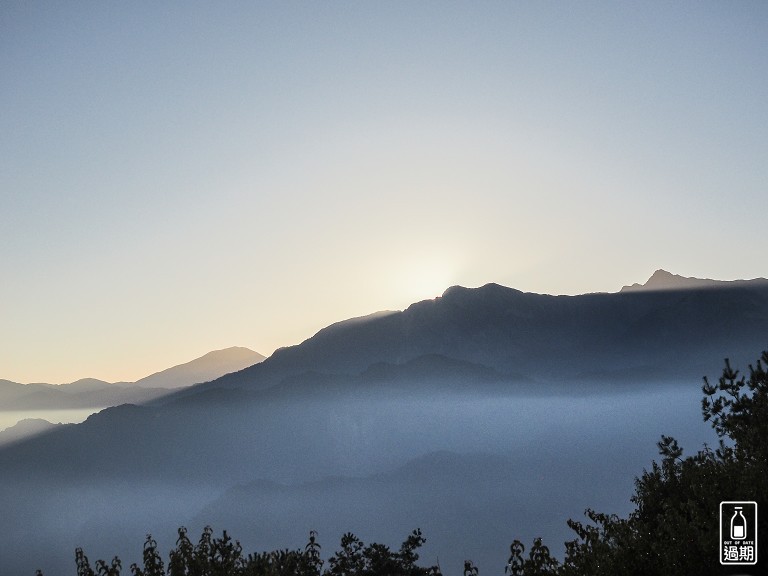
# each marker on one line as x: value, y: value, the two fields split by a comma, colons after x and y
x: 181, y: 178
x: 426, y: 279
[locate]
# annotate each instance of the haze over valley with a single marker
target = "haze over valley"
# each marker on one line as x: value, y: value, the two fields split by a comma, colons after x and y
x: 27, y: 409
x: 486, y: 252
x: 480, y: 416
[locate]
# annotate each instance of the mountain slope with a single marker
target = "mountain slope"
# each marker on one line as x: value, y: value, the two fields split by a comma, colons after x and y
x: 440, y: 493
x: 93, y: 393
x: 87, y: 393
x: 208, y: 367
x: 663, y: 280
x: 628, y: 335
x: 25, y: 429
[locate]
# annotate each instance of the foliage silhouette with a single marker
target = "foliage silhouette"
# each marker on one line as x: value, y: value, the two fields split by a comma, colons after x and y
x: 224, y: 557
x: 674, y: 528
x: 538, y: 563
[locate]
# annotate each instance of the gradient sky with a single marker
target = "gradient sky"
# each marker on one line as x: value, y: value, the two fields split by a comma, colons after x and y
x: 177, y: 177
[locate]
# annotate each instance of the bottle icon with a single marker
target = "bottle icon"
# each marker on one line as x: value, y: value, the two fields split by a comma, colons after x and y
x: 738, y: 525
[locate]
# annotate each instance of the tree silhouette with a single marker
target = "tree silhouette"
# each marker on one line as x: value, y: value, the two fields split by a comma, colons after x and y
x: 674, y: 528
x: 224, y: 557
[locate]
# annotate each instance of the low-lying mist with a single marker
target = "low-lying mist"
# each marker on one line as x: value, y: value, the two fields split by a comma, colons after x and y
x: 472, y: 469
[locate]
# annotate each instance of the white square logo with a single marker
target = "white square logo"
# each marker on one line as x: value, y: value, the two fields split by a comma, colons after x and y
x: 738, y: 533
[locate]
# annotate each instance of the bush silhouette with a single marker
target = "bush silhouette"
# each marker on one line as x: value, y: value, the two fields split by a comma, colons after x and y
x: 224, y: 557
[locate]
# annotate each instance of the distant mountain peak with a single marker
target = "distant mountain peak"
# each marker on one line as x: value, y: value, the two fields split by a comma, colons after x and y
x: 661, y: 280
x: 208, y: 367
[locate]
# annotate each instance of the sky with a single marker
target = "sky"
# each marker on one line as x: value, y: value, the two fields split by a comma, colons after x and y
x: 179, y: 177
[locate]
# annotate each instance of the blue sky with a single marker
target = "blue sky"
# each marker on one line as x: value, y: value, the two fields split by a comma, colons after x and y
x: 178, y: 177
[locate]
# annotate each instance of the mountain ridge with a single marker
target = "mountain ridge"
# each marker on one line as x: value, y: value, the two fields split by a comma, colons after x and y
x: 688, y: 330
x: 207, y: 367
x: 91, y: 392
x: 662, y: 280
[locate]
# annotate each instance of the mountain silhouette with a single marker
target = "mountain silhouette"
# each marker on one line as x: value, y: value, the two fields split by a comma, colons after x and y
x: 630, y: 335
x: 663, y: 280
x: 86, y: 393
x: 24, y: 429
x: 458, y: 486
x: 93, y: 393
x: 208, y: 367
x: 357, y: 409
